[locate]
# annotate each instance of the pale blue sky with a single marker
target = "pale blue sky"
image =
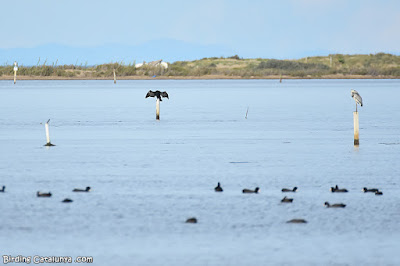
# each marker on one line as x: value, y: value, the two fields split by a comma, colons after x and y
x: 251, y: 28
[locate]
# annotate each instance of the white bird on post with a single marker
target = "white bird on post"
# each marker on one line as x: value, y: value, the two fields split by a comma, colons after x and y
x: 48, y: 144
x: 157, y: 94
x: 15, y: 71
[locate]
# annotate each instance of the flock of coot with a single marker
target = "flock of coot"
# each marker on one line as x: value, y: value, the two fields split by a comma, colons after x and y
x: 218, y: 188
x: 48, y: 194
x: 334, y: 189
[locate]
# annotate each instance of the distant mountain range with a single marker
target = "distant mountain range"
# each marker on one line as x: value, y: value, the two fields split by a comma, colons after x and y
x: 167, y: 50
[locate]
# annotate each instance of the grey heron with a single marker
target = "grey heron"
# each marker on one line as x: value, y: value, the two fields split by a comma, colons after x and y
x: 356, y: 97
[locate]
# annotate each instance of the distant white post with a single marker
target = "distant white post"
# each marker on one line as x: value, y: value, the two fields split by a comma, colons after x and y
x: 115, y: 77
x: 330, y: 61
x: 158, y: 109
x: 48, y: 134
x: 356, y: 129
x: 15, y: 71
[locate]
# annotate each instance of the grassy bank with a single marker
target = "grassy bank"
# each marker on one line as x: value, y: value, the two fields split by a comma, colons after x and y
x: 333, y: 66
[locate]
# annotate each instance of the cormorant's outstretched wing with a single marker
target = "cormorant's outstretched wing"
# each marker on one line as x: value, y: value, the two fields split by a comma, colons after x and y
x: 164, y: 94
x: 150, y: 94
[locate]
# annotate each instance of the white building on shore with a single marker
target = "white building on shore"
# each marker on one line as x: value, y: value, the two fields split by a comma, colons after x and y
x: 153, y: 63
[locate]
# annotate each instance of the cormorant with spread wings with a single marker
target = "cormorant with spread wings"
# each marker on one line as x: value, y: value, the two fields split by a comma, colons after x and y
x: 157, y: 94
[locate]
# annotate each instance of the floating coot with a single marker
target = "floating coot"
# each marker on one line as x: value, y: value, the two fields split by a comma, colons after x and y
x: 297, y: 221
x: 246, y: 190
x: 286, y: 199
x: 337, y: 189
x: 336, y: 205
x: 374, y: 190
x: 43, y: 194
x: 192, y: 220
x: 218, y: 188
x: 67, y: 200
x: 81, y: 190
x: 289, y: 190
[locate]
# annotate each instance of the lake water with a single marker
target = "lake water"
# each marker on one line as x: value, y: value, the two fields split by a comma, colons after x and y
x: 149, y: 176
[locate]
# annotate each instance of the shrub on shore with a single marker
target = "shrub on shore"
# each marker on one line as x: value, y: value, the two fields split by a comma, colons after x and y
x: 381, y: 64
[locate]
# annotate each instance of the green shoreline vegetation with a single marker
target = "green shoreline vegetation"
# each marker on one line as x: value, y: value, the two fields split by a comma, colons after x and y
x: 380, y: 65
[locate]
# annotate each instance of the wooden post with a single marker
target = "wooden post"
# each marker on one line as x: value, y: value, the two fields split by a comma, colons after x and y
x: 280, y: 80
x: 247, y: 112
x: 158, y: 109
x: 331, y: 61
x: 15, y: 71
x: 115, y: 78
x: 356, y: 129
x: 48, y: 134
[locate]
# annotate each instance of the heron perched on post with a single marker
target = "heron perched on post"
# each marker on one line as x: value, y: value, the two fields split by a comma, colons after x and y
x: 356, y: 98
x: 158, y: 95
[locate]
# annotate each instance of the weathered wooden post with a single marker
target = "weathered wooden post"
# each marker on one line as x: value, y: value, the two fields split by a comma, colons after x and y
x: 157, y: 94
x: 48, y: 134
x: 357, y: 98
x: 247, y: 112
x: 15, y: 71
x: 356, y: 129
x: 280, y: 80
x: 158, y: 109
x: 115, y: 77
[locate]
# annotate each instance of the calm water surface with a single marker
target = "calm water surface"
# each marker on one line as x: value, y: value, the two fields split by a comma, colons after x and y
x: 148, y: 177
